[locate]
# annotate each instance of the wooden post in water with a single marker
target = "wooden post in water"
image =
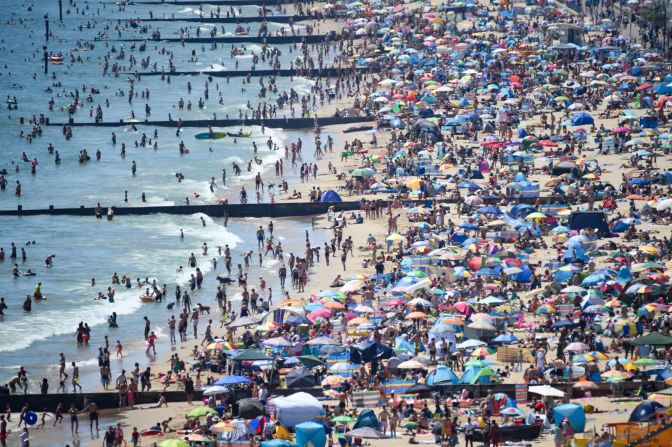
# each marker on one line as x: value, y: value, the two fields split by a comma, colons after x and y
x: 46, y: 27
x: 46, y: 59
x: 60, y: 10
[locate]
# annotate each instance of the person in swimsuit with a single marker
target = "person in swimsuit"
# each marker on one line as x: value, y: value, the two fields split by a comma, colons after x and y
x: 58, y: 414
x: 3, y: 431
x: 92, y: 408
x: 74, y: 420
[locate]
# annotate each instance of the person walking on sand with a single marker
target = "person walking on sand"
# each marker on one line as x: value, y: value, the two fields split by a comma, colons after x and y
x: 194, y: 320
x: 147, y: 327
x: 151, y: 343
x: 74, y: 420
x: 75, y: 378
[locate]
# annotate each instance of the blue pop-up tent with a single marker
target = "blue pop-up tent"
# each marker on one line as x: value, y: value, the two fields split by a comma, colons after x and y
x: 330, y: 196
x: 442, y: 375
x: 574, y: 413
x: 582, y: 119
x: 310, y: 434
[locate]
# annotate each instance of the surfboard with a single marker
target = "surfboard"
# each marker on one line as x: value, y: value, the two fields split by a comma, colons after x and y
x: 208, y: 136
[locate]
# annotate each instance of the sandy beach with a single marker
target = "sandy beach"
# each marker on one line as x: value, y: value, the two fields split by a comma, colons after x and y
x: 473, y: 176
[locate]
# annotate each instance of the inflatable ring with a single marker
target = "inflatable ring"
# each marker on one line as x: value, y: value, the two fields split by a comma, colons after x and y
x: 30, y: 418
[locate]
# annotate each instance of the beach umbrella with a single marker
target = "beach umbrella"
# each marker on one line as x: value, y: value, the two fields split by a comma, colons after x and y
x: 470, y: 344
x: 344, y: 367
x: 546, y: 309
x: 416, y: 316
x: 482, y: 352
x: 483, y: 325
x: 173, y: 443
x: 577, y: 347
x: 546, y: 391
x: 343, y: 419
x: 645, y: 361
x: 476, y: 362
x: 366, y: 432
x: 585, y: 385
x: 505, y: 338
x: 333, y: 305
x: 357, y: 321
x: 573, y: 289
x: 353, y: 286
x: 535, y: 215
x: 598, y: 355
x: 231, y: 380
x: 511, y: 411
x: 201, y: 411
x: 215, y: 390
x: 410, y: 364
x: 332, y: 381
x: 220, y: 346
x: 277, y: 342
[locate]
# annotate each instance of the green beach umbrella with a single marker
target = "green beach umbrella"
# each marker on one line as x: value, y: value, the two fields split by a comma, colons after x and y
x: 173, y: 443
x: 362, y: 172
x: 645, y: 361
x: 344, y: 419
x: 476, y: 362
x: 201, y: 411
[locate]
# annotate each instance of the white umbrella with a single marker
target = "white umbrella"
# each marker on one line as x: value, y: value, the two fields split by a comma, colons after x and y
x: 410, y: 364
x: 471, y: 343
x: 546, y: 390
x: 353, y: 286
x: 573, y: 289
x: 215, y: 389
x: 664, y: 204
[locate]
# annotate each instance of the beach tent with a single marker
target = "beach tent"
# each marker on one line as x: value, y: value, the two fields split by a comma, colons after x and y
x: 582, y: 119
x: 596, y: 220
x: 565, y: 167
x: 648, y: 122
x: 367, y: 418
x: 330, y: 196
x: 310, y: 434
x: 442, y: 375
x: 366, y: 351
x: 300, y: 378
x: 574, y: 413
x: 645, y: 411
x: 470, y: 374
x: 297, y: 408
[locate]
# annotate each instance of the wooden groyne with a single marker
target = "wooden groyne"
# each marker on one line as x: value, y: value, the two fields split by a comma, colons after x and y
x: 277, y: 210
x: 283, y: 72
x: 275, y: 123
x: 270, y: 40
x: 217, y: 2
x: 237, y: 19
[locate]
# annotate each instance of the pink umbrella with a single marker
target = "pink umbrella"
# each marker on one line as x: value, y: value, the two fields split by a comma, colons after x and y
x: 622, y: 129
x: 319, y: 313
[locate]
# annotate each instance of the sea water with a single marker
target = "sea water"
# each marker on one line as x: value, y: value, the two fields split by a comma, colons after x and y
x: 137, y: 246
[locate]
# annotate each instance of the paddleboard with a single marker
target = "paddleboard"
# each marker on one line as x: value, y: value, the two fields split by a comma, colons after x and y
x: 208, y: 136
